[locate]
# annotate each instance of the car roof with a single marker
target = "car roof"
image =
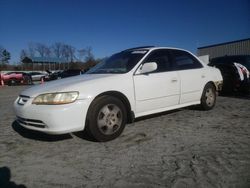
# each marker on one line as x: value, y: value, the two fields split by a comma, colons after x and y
x: 231, y: 57
x: 73, y: 70
x: 14, y: 72
x: 153, y: 48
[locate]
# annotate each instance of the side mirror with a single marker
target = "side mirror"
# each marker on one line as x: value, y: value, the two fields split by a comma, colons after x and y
x: 147, y: 68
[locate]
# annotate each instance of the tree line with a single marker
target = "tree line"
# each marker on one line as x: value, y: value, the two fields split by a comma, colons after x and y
x: 77, y: 58
x: 4, y: 55
x: 58, y: 50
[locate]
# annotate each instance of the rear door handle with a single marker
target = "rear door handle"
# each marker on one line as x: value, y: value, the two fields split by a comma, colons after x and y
x: 174, y: 80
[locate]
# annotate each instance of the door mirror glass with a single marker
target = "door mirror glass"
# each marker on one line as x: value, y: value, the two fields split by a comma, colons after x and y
x: 147, y: 68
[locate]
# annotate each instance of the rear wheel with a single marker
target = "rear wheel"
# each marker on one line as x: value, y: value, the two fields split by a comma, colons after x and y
x: 28, y: 80
x: 12, y: 82
x: 208, y: 98
x: 106, y: 118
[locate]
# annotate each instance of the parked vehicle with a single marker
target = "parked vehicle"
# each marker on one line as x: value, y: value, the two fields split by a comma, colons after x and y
x: 241, y: 59
x: 51, y: 75
x: 62, y: 74
x: 15, y: 78
x: 235, y: 73
x: 69, y: 73
x: 130, y: 84
x: 37, y: 76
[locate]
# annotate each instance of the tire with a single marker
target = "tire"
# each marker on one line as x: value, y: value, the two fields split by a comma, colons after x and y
x: 12, y: 82
x: 28, y: 80
x: 106, y: 118
x: 228, y: 88
x: 208, y: 98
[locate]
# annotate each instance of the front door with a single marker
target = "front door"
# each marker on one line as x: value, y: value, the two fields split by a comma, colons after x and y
x: 159, y: 89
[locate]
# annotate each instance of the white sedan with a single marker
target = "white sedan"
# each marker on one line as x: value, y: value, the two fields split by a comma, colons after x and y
x: 37, y: 76
x: 132, y: 83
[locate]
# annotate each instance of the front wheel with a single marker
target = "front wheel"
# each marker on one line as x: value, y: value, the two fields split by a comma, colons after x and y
x: 208, y: 98
x: 106, y: 118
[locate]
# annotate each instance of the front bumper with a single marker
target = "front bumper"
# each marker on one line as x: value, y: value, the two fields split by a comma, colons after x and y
x: 51, y: 119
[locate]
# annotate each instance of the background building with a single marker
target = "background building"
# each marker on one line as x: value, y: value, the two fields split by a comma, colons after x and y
x: 239, y: 47
x: 45, y: 63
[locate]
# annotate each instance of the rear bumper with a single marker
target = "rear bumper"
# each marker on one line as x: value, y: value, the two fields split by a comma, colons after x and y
x: 218, y: 85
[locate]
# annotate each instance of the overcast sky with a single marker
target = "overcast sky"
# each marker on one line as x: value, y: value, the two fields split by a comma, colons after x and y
x: 113, y: 25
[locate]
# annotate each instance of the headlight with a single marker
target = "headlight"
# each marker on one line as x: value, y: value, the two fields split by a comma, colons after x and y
x: 56, y: 98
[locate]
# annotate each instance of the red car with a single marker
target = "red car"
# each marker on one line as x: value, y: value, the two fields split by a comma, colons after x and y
x: 14, y: 78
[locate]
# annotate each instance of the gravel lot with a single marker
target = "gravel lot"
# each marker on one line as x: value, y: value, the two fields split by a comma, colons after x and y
x: 182, y: 148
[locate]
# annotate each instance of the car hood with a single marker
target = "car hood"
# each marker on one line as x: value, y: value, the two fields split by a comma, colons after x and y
x: 66, y: 84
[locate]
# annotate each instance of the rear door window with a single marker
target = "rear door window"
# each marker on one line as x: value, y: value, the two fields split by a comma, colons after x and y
x: 184, y: 61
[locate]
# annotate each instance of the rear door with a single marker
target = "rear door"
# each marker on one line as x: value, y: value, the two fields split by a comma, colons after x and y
x: 192, y: 76
x: 160, y: 88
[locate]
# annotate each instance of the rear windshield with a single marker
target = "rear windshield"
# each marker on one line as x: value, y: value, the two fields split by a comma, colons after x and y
x: 244, y: 60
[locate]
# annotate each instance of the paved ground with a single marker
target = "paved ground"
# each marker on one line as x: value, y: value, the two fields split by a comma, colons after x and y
x: 183, y: 148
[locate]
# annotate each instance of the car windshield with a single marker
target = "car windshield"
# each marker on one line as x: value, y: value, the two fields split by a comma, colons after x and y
x: 119, y: 63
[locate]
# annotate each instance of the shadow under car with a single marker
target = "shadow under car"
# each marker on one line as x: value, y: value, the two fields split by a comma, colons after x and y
x: 36, y: 135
